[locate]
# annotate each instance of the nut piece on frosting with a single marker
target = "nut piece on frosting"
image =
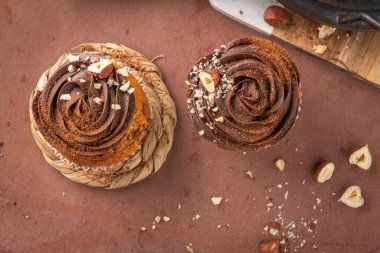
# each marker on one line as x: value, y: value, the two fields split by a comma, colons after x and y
x: 101, y: 69
x: 324, y: 171
x: 272, y: 246
x: 361, y: 157
x: 209, y: 80
x: 65, y: 97
x: 352, y: 197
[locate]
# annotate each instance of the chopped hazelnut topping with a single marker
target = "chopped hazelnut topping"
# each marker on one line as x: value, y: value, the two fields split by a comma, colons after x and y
x: 125, y: 86
x: 97, y: 100
x: 71, y: 68
x: 97, y: 86
x: 220, y: 119
x: 122, y: 71
x: 65, y: 97
x: 131, y: 90
x: 115, y: 107
x: 72, y: 58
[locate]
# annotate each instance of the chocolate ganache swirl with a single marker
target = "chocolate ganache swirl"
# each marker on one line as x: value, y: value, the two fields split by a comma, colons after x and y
x: 92, y: 121
x: 244, y: 96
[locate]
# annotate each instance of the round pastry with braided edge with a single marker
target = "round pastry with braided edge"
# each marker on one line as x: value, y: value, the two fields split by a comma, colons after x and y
x: 244, y: 96
x: 103, y: 116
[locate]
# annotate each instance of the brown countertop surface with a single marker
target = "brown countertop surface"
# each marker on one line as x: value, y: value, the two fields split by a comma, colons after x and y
x: 41, y: 211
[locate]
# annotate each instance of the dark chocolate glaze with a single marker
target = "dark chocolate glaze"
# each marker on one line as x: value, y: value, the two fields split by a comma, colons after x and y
x: 263, y: 102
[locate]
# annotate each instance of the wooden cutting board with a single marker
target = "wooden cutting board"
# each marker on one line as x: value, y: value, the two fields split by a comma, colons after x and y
x: 357, y: 52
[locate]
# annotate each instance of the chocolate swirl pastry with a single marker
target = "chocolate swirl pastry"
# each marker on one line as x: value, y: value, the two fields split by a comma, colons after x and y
x: 85, y: 115
x: 244, y: 96
x: 103, y: 116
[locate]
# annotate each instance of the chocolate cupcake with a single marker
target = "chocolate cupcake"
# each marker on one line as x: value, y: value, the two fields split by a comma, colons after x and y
x: 103, y: 116
x: 244, y: 96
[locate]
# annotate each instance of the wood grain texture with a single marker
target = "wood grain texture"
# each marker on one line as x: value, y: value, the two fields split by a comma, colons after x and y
x: 357, y: 52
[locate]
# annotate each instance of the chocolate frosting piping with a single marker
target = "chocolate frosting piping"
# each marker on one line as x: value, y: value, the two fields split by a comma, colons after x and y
x: 262, y: 104
x: 83, y: 131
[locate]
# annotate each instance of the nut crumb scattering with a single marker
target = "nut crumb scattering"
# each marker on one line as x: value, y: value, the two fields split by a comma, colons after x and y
x: 280, y: 164
x: 157, y: 219
x: 216, y: 200
x: 166, y: 218
x: 249, y: 174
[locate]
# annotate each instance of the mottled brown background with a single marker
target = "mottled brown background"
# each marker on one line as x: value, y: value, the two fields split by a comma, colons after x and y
x: 338, y: 112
